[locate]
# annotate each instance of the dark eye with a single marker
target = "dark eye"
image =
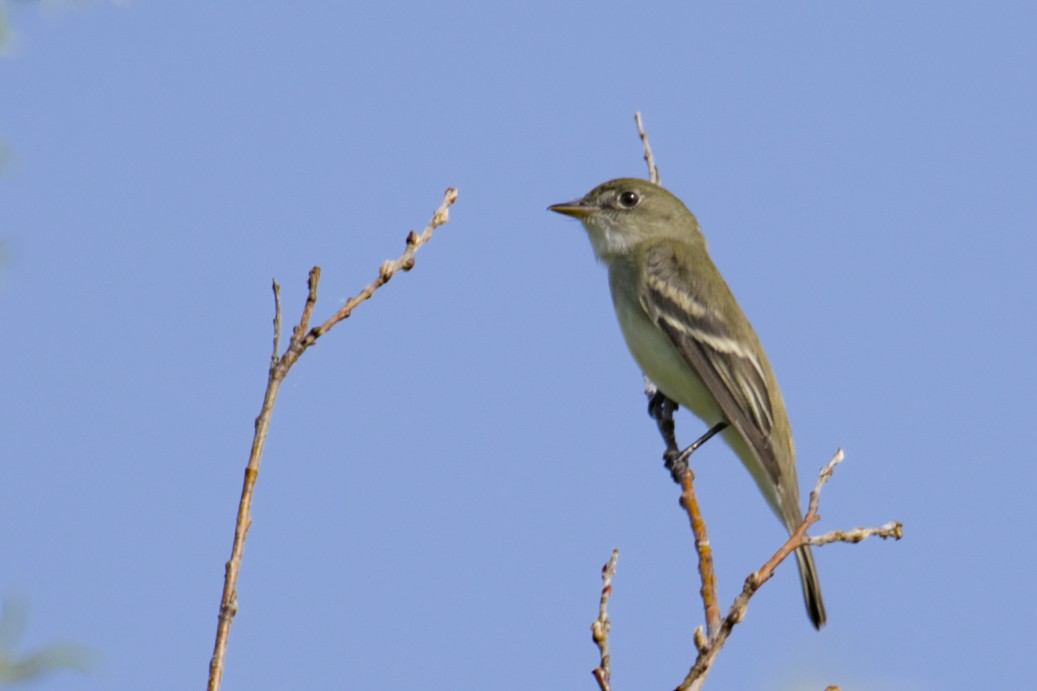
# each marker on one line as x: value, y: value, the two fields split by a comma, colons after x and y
x: 629, y: 199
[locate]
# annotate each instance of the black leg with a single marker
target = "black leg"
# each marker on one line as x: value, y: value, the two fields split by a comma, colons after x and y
x: 710, y: 433
x: 660, y: 405
x: 661, y: 409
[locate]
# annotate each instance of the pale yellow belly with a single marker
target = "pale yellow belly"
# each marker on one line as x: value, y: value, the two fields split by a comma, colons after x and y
x: 660, y: 360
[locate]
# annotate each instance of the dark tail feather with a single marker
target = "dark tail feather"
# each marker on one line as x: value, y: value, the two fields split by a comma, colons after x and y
x: 811, y: 587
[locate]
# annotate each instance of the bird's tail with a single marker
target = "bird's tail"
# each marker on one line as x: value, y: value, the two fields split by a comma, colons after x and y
x: 811, y: 586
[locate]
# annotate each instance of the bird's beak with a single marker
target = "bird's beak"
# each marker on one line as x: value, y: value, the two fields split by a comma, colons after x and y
x: 577, y: 208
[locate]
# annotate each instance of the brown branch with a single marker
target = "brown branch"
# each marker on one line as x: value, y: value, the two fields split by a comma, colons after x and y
x: 279, y: 367
x: 601, y: 626
x: 653, y: 171
x: 707, y: 575
x: 707, y: 654
x: 662, y: 409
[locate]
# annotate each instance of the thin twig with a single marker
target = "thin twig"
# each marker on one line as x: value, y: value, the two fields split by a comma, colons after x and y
x: 822, y: 478
x: 279, y: 366
x: 388, y: 269
x: 601, y: 626
x: 893, y: 529
x: 653, y: 171
x: 311, y: 302
x: 277, y: 325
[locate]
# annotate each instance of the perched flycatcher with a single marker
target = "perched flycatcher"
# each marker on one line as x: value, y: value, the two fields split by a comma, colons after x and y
x: 690, y: 337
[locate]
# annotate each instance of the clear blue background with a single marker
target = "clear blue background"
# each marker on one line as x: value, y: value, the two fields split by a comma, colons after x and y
x: 448, y: 470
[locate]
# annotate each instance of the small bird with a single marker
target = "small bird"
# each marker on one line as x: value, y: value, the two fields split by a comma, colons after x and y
x: 691, y: 338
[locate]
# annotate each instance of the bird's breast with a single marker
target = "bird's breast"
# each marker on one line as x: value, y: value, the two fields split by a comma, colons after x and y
x: 660, y: 360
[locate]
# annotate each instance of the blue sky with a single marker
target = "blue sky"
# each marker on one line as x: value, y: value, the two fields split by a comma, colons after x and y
x: 448, y: 470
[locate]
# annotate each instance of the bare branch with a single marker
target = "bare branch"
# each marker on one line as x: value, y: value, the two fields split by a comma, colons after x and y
x: 893, y: 529
x: 601, y: 626
x: 708, y: 591
x: 388, y: 269
x: 653, y: 171
x: 311, y: 302
x: 707, y: 654
x: 279, y: 367
x: 822, y: 478
x: 277, y: 325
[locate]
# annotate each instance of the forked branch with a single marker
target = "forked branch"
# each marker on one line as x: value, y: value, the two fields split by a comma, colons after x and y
x: 709, y: 648
x: 302, y: 338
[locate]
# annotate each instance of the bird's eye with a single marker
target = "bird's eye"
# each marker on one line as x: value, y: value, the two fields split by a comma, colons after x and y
x: 629, y: 199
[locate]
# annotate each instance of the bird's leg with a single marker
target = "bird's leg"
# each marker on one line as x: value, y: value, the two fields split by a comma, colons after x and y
x: 657, y: 404
x: 661, y: 409
x: 710, y: 433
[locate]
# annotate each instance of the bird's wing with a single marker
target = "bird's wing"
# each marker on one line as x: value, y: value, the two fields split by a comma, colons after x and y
x: 681, y: 304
